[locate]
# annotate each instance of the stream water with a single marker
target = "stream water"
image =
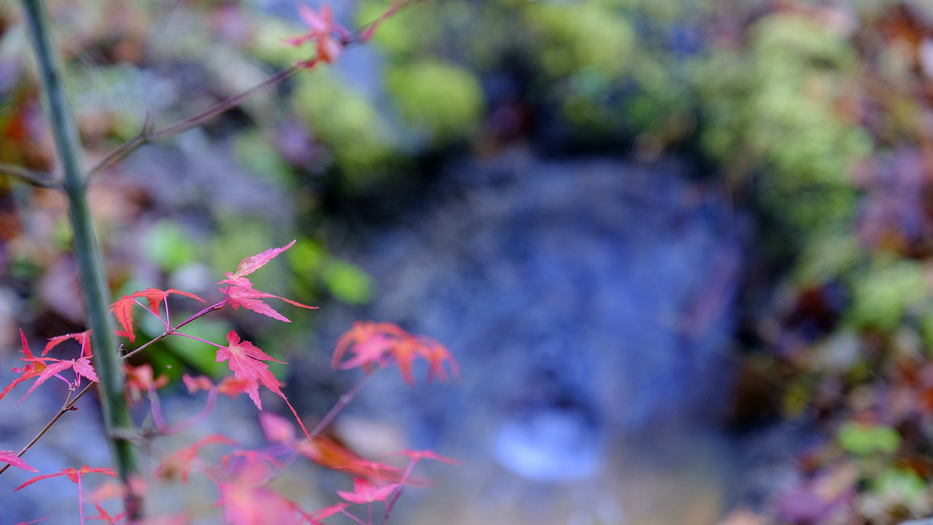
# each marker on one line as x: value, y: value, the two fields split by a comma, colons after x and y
x: 590, y: 306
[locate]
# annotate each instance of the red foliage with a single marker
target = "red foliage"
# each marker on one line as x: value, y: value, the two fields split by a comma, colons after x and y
x: 383, y: 344
x: 240, y: 291
x: 123, y: 307
x: 327, y: 35
x: 71, y: 473
x: 42, y: 368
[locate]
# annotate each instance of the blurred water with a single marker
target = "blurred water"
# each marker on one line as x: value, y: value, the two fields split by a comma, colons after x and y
x: 590, y: 305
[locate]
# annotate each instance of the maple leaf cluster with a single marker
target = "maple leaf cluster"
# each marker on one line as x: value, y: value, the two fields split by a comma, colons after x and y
x: 44, y: 368
x: 384, y: 344
x: 243, y: 477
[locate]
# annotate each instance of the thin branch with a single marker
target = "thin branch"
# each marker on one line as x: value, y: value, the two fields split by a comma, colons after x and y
x: 69, y: 403
x: 167, y: 429
x: 344, y: 400
x: 390, y: 504
x: 354, y: 518
x: 171, y: 331
x: 148, y: 135
x: 36, y: 178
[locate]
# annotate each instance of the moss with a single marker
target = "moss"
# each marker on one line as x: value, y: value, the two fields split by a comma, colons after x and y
x: 881, y: 295
x: 345, y: 121
x: 441, y: 98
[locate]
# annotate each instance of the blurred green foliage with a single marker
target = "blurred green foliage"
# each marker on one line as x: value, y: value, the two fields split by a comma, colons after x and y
x: 441, y: 99
x: 862, y: 439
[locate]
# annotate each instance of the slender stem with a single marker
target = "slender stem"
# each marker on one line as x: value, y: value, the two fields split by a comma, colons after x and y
x: 148, y: 135
x: 398, y: 491
x: 344, y: 400
x: 36, y: 178
x: 156, y: 314
x: 198, y: 339
x: 353, y: 517
x: 167, y: 429
x: 203, y: 312
x: 91, y: 276
x: 151, y: 342
x: 69, y: 403
x: 171, y: 331
x: 80, y: 500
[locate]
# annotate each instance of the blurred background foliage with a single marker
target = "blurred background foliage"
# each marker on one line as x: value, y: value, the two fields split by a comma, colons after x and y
x: 816, y: 116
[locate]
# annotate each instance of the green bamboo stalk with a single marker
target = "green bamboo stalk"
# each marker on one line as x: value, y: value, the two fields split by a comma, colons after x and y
x: 88, y: 258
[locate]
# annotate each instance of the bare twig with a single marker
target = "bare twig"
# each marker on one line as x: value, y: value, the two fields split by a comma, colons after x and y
x: 171, y: 331
x: 344, y: 400
x: 69, y: 404
x: 149, y: 134
x: 36, y: 178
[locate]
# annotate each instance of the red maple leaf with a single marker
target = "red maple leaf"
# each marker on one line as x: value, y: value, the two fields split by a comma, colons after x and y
x: 140, y: 378
x: 325, y: 451
x: 12, y: 457
x: 327, y: 35
x: 246, y: 362
x: 366, y: 492
x: 277, y: 429
x: 361, y: 332
x: 230, y: 386
x: 240, y: 291
x: 315, y: 517
x: 416, y: 455
x: 245, y: 296
x: 71, y: 473
x: 248, y: 500
x: 328, y: 453
x: 255, y: 262
x: 180, y: 462
x: 123, y: 307
x: 103, y: 515
x: 436, y: 355
x: 84, y: 338
x: 42, y: 368
x: 381, y: 344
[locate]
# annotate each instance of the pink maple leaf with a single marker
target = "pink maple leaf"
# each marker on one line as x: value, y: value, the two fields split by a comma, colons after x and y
x: 247, y: 499
x: 247, y: 363
x: 416, y: 455
x: 327, y: 35
x: 365, y: 492
x: 123, y: 307
x: 255, y: 262
x: 12, y: 457
x: 382, y: 344
x: 181, y: 461
x: 244, y: 295
x: 240, y: 291
x: 43, y: 368
x: 315, y: 517
x: 70, y: 473
x: 84, y: 338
